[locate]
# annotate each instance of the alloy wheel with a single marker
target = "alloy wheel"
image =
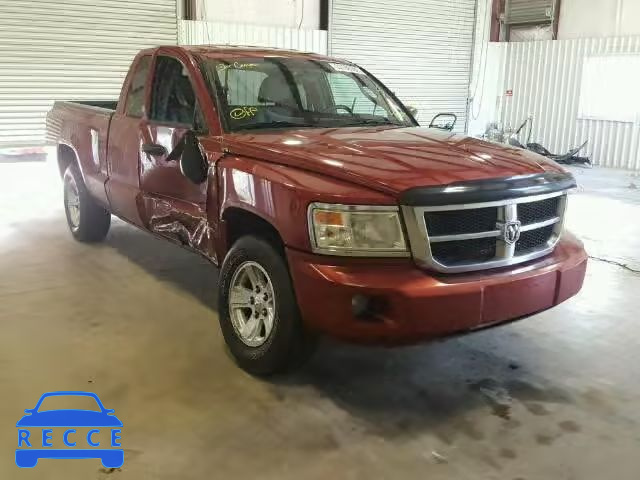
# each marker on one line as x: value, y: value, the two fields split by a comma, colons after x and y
x: 252, y: 304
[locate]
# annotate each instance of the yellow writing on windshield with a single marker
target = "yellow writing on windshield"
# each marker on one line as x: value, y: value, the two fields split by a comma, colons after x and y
x: 241, y: 66
x: 241, y: 113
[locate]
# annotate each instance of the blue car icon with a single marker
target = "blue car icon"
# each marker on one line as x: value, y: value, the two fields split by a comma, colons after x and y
x: 69, y: 418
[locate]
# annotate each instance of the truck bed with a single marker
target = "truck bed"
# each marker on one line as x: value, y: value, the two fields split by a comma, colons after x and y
x: 80, y: 130
x: 65, y: 113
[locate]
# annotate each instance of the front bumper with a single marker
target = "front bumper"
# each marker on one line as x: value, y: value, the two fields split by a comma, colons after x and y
x: 411, y: 305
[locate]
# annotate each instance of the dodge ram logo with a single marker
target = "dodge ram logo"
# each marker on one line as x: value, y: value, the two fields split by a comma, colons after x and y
x: 511, y: 232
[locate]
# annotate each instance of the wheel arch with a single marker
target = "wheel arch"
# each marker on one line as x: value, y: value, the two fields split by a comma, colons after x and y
x: 67, y: 155
x: 239, y: 222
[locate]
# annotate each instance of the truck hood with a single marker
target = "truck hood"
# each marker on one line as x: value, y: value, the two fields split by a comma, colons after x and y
x: 389, y: 159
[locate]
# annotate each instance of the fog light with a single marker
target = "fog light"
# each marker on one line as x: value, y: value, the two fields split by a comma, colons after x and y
x: 361, y: 305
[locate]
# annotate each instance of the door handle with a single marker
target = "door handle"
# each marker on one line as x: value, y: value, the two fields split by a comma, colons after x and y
x: 154, y: 149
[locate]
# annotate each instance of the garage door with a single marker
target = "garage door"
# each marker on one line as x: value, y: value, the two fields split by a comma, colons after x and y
x: 420, y: 49
x: 70, y: 49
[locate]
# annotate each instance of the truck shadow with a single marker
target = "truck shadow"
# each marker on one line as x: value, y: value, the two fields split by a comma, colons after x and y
x: 450, y: 388
x: 167, y: 261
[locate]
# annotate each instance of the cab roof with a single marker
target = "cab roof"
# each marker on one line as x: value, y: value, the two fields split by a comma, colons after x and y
x: 245, y: 51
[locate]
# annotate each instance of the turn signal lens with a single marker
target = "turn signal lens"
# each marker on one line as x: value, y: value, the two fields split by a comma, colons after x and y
x: 325, y: 217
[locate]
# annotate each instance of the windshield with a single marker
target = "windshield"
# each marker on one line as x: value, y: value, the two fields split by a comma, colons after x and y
x: 277, y: 92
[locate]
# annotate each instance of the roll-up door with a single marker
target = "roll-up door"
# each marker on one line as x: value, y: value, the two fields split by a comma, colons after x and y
x: 421, y: 49
x: 70, y: 49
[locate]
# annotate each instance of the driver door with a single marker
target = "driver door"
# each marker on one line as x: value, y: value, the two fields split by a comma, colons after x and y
x: 172, y: 205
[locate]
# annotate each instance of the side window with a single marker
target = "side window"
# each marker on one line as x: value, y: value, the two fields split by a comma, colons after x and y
x: 135, y: 97
x: 172, y: 97
x: 347, y: 92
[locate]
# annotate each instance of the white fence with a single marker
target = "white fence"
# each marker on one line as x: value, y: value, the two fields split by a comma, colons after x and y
x: 191, y: 32
x: 543, y: 79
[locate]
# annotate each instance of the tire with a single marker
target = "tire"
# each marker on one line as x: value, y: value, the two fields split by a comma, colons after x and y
x: 87, y: 220
x: 288, y: 343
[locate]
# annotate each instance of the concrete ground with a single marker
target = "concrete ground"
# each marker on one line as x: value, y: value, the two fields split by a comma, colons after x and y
x: 553, y: 397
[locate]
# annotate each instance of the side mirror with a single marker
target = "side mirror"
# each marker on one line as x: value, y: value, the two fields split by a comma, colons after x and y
x: 193, y: 164
x: 413, y: 111
x: 444, y: 121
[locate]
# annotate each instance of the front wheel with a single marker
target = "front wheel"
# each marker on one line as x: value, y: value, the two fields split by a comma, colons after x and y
x: 259, y: 315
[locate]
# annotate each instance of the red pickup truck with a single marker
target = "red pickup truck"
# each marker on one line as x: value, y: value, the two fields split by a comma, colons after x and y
x: 325, y: 204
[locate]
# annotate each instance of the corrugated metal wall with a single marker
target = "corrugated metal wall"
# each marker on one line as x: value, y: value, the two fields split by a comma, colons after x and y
x: 421, y: 49
x: 526, y: 11
x: 545, y: 78
x: 191, y: 32
x: 70, y: 49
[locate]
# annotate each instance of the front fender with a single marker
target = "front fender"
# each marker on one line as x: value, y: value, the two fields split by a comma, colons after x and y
x: 280, y: 194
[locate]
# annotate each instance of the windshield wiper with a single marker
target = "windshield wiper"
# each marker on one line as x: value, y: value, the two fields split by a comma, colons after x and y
x: 372, y: 122
x: 278, y: 124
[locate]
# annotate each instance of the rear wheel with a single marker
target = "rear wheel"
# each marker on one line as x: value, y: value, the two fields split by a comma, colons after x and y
x: 259, y: 315
x: 88, y: 221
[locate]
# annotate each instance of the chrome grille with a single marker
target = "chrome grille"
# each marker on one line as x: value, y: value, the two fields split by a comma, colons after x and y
x: 467, y: 237
x: 532, y: 212
x: 461, y: 221
x: 533, y: 239
x: 464, y: 251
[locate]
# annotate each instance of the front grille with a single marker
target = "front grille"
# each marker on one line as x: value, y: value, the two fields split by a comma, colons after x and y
x: 488, y: 235
x: 462, y: 221
x: 533, y: 239
x: 464, y: 251
x: 533, y: 212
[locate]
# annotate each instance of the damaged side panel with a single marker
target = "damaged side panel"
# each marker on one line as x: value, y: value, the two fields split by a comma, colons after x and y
x: 186, y: 226
x: 190, y: 224
x: 174, y: 207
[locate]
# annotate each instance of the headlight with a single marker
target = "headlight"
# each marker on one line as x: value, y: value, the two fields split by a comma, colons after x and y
x: 356, y: 230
